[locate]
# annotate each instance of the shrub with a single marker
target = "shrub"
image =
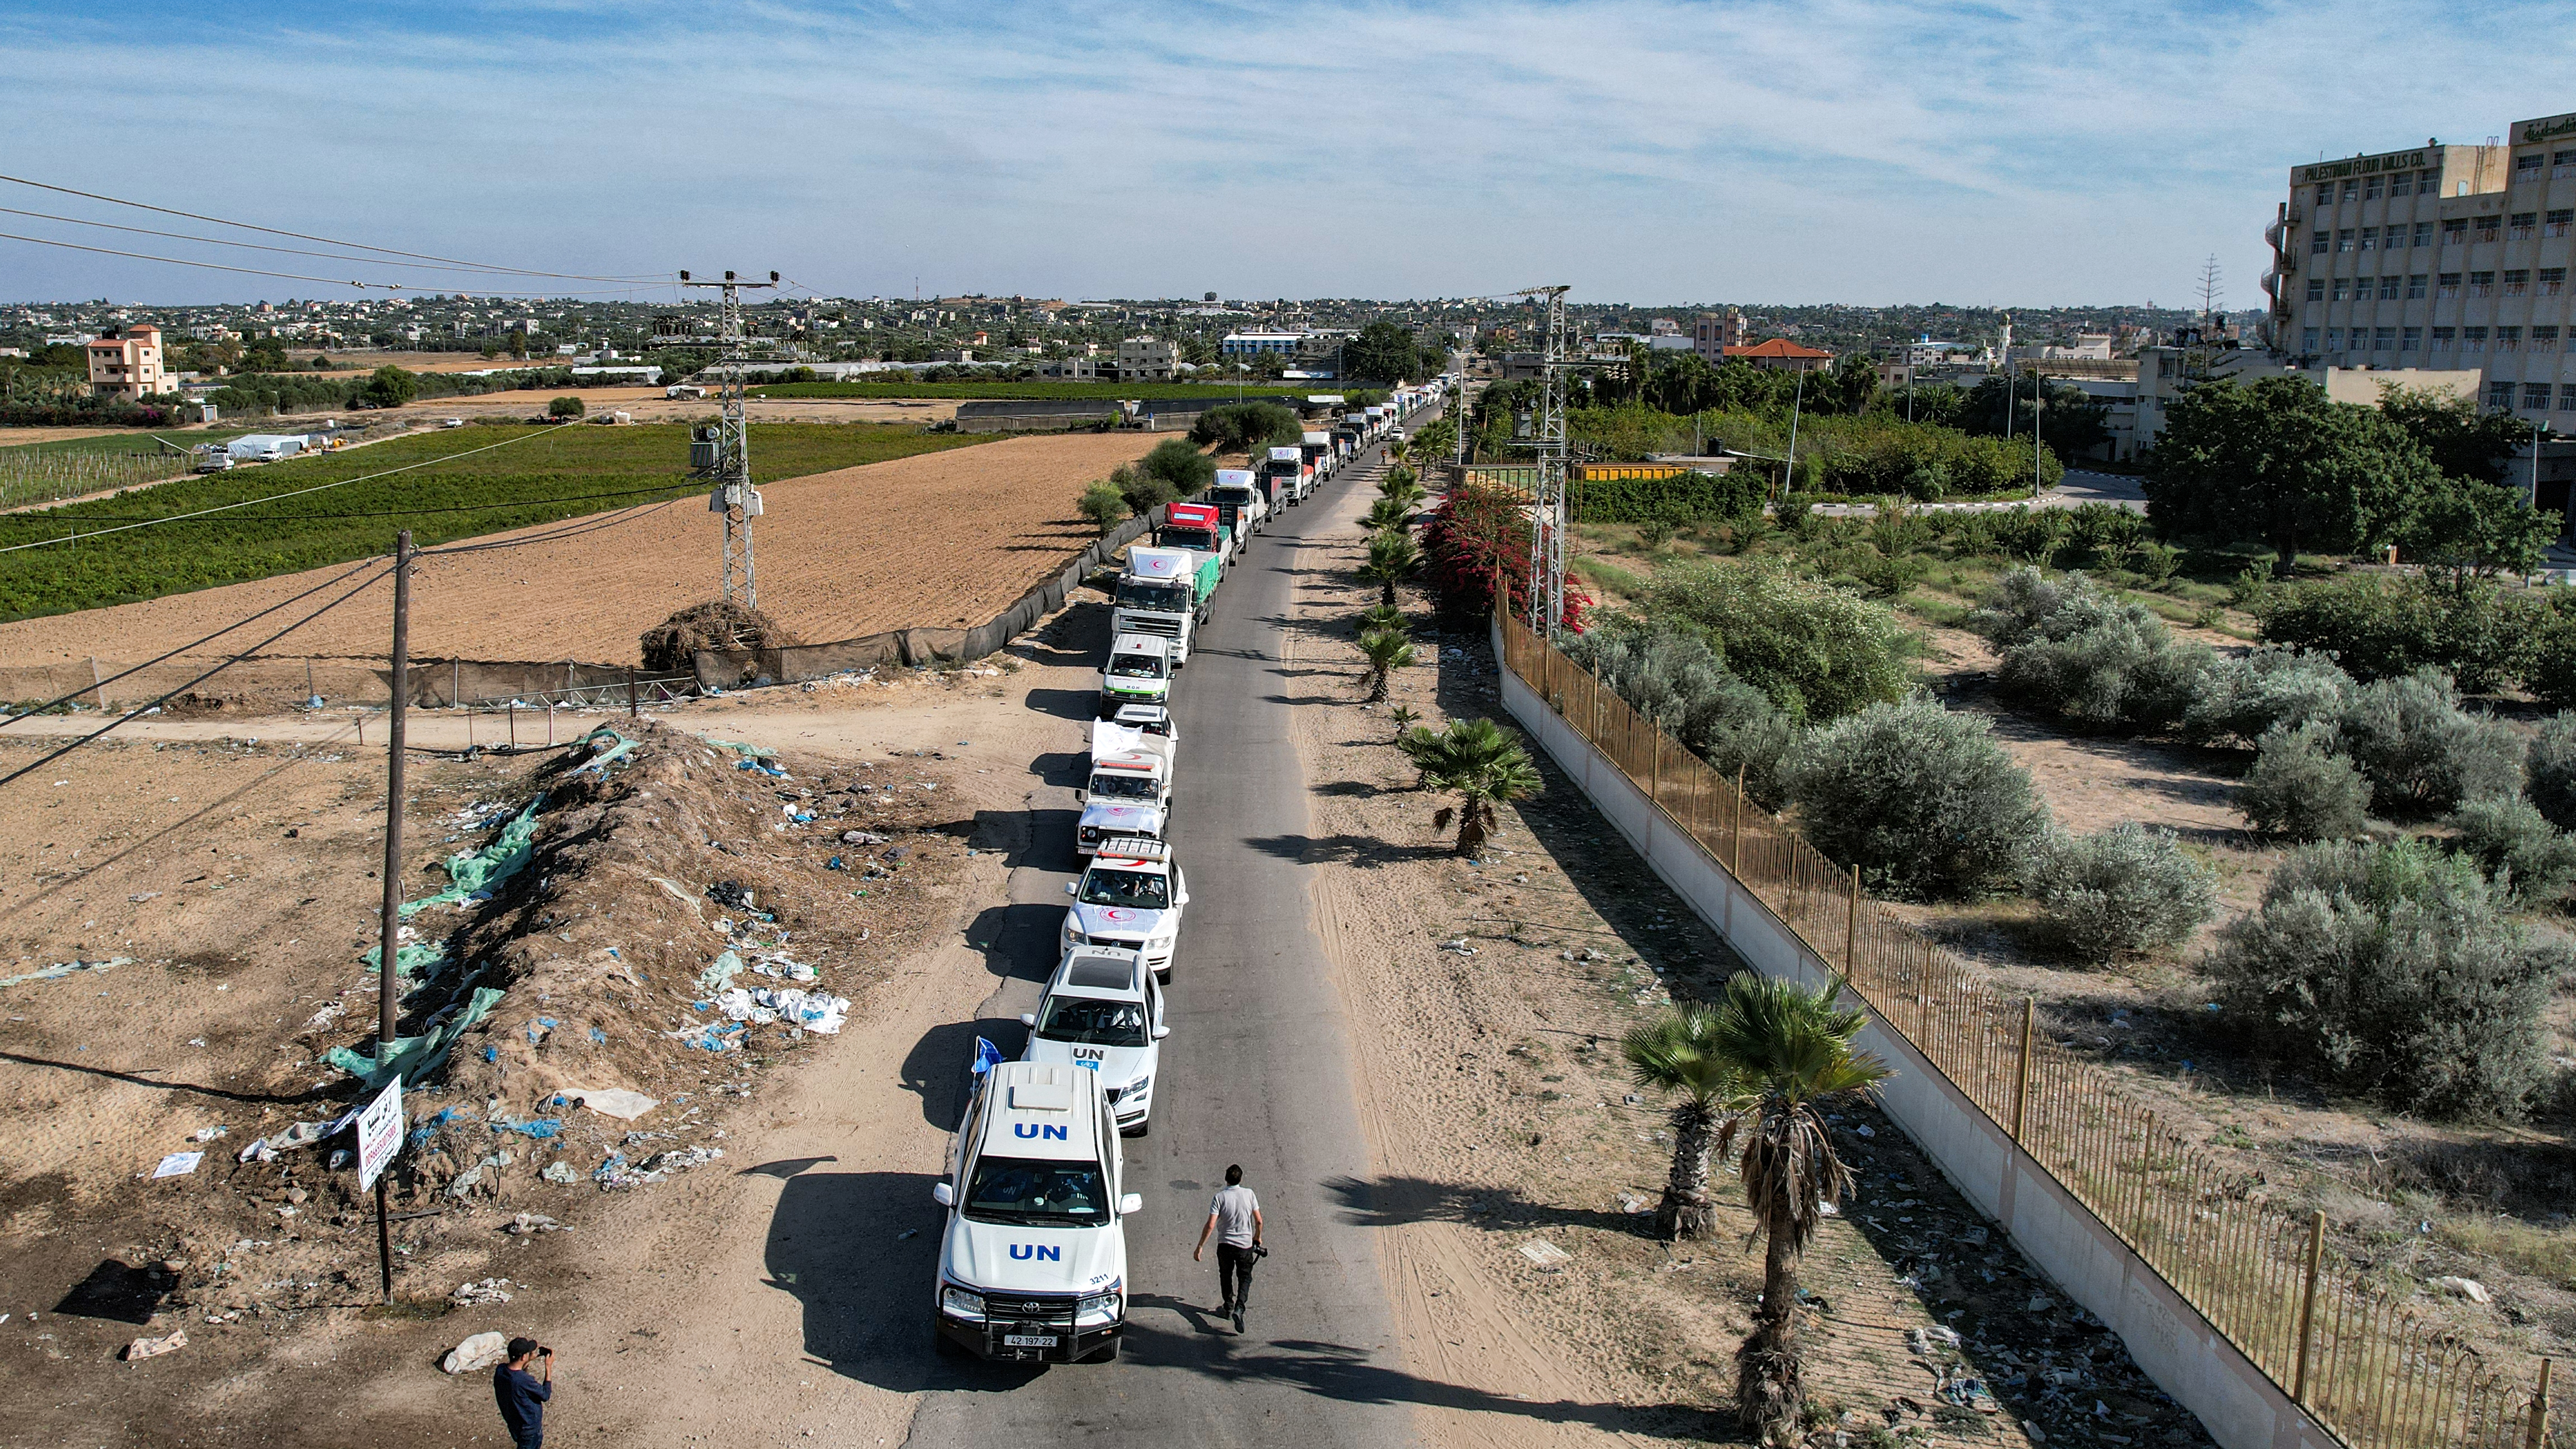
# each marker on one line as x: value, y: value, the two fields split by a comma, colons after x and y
x: 1817, y: 651
x: 1236, y: 427
x: 2552, y: 768
x: 1188, y: 471
x: 1103, y: 504
x: 2244, y: 697
x: 1475, y: 533
x: 564, y: 407
x: 2390, y: 970
x: 2517, y: 845
x: 2300, y: 787
x: 1916, y: 796
x: 2482, y: 635
x: 2421, y: 752
x: 1731, y: 497
x: 2080, y: 652
x: 1684, y: 686
x: 2127, y: 888
x: 2548, y: 663
x: 1140, y: 490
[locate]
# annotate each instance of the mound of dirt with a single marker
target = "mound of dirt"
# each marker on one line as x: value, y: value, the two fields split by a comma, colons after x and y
x: 715, y: 624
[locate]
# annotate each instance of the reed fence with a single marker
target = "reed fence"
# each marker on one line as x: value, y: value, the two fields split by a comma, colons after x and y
x: 2367, y: 1369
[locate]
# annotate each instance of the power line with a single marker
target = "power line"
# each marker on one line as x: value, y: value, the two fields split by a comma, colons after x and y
x: 298, y: 493
x: 570, y: 530
x: 8, y: 720
x: 209, y: 266
x: 41, y: 515
x: 326, y: 241
x: 252, y: 246
x: 136, y: 713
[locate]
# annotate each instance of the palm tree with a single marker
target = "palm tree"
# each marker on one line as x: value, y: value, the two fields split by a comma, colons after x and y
x: 1792, y: 1047
x: 1387, y: 513
x: 1674, y: 1055
x: 1474, y: 760
x: 1401, y: 485
x: 1403, y: 716
x: 1386, y: 650
x: 1391, y: 556
x: 1381, y: 616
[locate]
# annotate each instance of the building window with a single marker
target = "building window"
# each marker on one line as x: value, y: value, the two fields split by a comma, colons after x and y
x: 2428, y: 183
x: 2489, y: 227
x: 2401, y: 184
x: 2535, y: 395
x: 2325, y: 194
x: 2424, y: 229
x: 2388, y: 288
x: 2307, y: 343
x: 2415, y: 287
x: 2370, y: 191
x: 2473, y: 339
x: 2516, y: 283
x: 2340, y: 284
x: 2316, y: 244
x: 2520, y: 228
x: 2499, y: 394
x: 2567, y: 397
x: 2316, y: 289
x: 2351, y: 190
x: 2508, y: 339
x: 2383, y: 339
x: 2450, y: 285
x: 2343, y: 240
x: 2553, y: 280
x: 2412, y: 341
x: 2556, y: 223
x: 2481, y: 284
x: 2455, y: 231
x: 2369, y: 237
x: 2544, y: 339
x: 2334, y: 339
x: 2562, y: 164
x: 2441, y: 339
x: 2527, y: 167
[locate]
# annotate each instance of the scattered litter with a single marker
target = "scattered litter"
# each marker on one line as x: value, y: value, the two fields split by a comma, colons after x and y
x: 67, y: 968
x: 560, y: 1171
x: 719, y: 975
x: 528, y: 1225
x: 479, y: 1352
x: 1458, y: 945
x: 2469, y: 1288
x: 209, y: 1134
x: 537, y: 1127
x: 1920, y: 1341
x: 615, y: 1102
x: 1864, y: 1130
x: 680, y: 1160
x: 708, y: 1038
x: 862, y: 837
x: 412, y: 1057
x: 817, y: 1011
x: 488, y: 1290
x: 473, y: 873
x: 1544, y: 1253
x: 155, y: 1347
x: 1631, y: 1204
x: 180, y: 1164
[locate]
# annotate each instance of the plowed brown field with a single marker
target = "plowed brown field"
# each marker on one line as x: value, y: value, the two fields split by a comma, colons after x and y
x: 940, y: 540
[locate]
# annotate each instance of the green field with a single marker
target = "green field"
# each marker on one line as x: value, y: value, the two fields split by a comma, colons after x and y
x: 556, y: 475
x: 42, y: 472
x: 129, y: 440
x: 1149, y: 391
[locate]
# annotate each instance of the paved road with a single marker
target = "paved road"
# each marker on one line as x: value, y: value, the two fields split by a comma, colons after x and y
x: 1256, y: 1071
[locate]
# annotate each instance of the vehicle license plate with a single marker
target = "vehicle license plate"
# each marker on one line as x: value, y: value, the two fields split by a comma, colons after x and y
x: 1028, y: 1340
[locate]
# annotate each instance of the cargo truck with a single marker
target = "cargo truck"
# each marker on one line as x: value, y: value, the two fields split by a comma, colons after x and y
x: 1198, y: 528
x: 1295, y: 479
x: 1318, y: 448
x: 1242, y: 506
x: 1160, y: 595
x: 1138, y: 671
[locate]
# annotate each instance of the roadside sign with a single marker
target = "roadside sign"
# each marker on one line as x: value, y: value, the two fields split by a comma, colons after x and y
x: 380, y: 1133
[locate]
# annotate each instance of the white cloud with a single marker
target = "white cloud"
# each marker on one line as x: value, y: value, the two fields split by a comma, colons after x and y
x: 1857, y: 150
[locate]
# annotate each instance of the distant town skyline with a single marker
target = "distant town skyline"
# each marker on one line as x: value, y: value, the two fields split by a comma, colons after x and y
x: 1855, y: 151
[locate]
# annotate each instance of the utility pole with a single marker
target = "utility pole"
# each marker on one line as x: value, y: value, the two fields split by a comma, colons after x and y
x: 1547, y: 510
x: 389, y: 920
x: 723, y: 454
x: 2210, y: 291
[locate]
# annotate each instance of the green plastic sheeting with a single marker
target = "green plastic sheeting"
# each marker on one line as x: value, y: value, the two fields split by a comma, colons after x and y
x: 758, y: 752
x: 606, y: 756
x: 414, y: 1057
x: 720, y: 975
x: 471, y: 871
x: 408, y: 960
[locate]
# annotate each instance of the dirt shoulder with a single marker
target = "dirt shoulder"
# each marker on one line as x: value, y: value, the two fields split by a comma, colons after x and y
x: 1491, y: 996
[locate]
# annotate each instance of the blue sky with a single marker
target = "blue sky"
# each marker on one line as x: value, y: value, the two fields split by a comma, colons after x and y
x: 1863, y: 151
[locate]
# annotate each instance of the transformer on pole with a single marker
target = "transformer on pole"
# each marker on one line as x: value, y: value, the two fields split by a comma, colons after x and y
x: 721, y: 452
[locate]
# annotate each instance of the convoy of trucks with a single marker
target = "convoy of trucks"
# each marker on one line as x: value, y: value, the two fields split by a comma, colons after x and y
x: 1033, y: 1261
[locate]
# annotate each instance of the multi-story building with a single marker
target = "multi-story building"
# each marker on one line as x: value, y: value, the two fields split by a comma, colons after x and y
x: 2449, y: 258
x: 1712, y: 336
x: 1146, y: 359
x: 130, y: 365
x: 1246, y: 344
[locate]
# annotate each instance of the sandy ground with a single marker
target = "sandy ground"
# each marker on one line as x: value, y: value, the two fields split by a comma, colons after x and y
x: 16, y: 437
x: 939, y: 540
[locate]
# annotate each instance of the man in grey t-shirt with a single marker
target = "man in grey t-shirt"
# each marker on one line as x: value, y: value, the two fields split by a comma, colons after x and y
x: 1235, y: 1220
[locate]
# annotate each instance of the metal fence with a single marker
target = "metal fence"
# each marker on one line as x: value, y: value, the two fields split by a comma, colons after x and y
x: 2367, y: 1369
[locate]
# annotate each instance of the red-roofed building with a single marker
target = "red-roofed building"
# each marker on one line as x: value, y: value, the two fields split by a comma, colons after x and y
x: 130, y: 365
x: 1782, y: 355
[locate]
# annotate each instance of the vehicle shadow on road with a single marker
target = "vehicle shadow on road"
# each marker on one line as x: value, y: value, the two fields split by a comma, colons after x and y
x: 1018, y: 941
x: 1394, y: 1201
x: 1042, y: 838
x: 1364, y: 851
x: 835, y: 1242
x: 935, y: 1070
x: 1081, y: 704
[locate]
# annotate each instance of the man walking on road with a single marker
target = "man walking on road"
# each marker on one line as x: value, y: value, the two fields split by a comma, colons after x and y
x: 522, y: 1395
x: 1235, y: 1219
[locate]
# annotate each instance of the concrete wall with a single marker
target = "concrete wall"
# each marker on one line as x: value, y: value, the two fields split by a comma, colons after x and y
x: 2189, y: 1359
